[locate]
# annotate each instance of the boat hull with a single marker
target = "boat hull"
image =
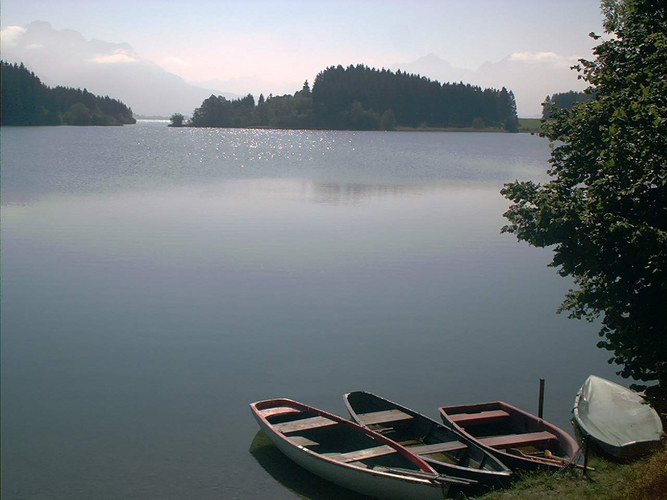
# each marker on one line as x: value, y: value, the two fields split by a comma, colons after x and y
x: 367, y: 481
x: 616, y: 419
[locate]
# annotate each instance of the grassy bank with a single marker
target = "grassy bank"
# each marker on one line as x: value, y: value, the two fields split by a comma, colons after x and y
x: 642, y: 480
x: 526, y: 125
x: 449, y: 129
x: 532, y: 125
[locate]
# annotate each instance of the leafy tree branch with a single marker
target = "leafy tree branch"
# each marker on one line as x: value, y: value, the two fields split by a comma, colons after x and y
x: 605, y: 211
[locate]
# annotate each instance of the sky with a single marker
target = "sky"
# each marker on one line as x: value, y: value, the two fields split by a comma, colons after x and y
x: 275, y: 45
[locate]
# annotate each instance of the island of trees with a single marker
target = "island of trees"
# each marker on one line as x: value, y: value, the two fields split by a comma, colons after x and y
x: 27, y: 101
x: 362, y: 98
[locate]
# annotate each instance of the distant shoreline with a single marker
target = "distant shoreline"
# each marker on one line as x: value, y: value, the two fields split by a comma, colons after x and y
x: 487, y: 130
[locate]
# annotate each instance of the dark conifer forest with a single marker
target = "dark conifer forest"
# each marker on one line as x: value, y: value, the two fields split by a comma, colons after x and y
x: 563, y: 100
x: 362, y: 98
x: 27, y: 101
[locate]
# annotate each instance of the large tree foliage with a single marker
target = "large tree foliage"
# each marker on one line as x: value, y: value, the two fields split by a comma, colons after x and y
x: 605, y: 208
x: 27, y: 101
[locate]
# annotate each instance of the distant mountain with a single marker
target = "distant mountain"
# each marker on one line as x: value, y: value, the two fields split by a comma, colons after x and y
x: 432, y: 65
x: 255, y: 85
x: 65, y: 57
x: 531, y: 76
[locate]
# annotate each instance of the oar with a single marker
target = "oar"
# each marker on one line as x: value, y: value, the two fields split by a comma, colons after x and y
x: 563, y: 462
x: 427, y: 475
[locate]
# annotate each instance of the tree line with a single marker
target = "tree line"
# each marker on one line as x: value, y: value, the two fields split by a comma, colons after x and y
x: 363, y: 98
x: 563, y: 100
x: 27, y: 101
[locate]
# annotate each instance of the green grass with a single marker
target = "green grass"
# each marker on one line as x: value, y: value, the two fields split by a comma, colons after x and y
x: 447, y: 129
x: 532, y: 125
x: 645, y: 479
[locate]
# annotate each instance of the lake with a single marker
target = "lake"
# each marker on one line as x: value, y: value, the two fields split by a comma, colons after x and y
x: 155, y: 281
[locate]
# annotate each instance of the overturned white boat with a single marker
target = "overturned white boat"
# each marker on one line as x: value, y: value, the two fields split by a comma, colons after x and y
x: 617, y: 419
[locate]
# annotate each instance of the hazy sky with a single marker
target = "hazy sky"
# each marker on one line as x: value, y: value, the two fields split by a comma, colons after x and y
x: 290, y: 41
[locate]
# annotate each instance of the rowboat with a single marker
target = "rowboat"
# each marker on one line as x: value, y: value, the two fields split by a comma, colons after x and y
x: 348, y: 454
x: 445, y: 449
x: 616, y: 419
x: 520, y: 440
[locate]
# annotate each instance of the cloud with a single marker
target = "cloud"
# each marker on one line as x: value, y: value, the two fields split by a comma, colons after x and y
x: 119, y: 56
x: 173, y: 63
x: 534, y: 56
x: 173, y: 60
x: 542, y: 58
x: 10, y: 34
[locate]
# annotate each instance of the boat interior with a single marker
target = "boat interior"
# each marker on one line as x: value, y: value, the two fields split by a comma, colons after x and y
x: 502, y: 428
x: 337, y: 440
x: 434, y: 442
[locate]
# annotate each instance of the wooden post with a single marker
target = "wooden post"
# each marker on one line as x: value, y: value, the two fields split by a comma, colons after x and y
x: 540, y: 406
x: 584, y: 445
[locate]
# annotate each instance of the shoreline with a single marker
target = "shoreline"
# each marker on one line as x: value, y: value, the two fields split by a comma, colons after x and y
x: 645, y: 478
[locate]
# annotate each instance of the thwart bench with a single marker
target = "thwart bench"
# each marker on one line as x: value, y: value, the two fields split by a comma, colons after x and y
x: 482, y: 417
x: 383, y: 417
x: 518, y: 440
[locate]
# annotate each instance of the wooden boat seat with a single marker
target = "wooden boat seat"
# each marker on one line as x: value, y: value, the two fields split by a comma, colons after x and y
x: 304, y: 424
x: 382, y: 417
x: 354, y: 456
x: 427, y: 449
x: 303, y: 441
x: 482, y: 417
x: 517, y: 440
x: 278, y: 410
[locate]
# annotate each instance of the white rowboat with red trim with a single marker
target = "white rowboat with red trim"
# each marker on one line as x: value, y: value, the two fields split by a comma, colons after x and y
x: 348, y: 454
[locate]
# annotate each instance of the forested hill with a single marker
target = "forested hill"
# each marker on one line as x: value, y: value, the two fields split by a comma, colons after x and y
x: 362, y: 98
x: 27, y: 101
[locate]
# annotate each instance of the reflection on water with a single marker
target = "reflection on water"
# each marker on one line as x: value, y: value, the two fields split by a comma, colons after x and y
x: 263, y: 226
x: 40, y: 161
x: 301, y: 482
x: 331, y: 192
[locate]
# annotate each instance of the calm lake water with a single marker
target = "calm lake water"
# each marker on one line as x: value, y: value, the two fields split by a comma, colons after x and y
x: 155, y: 281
